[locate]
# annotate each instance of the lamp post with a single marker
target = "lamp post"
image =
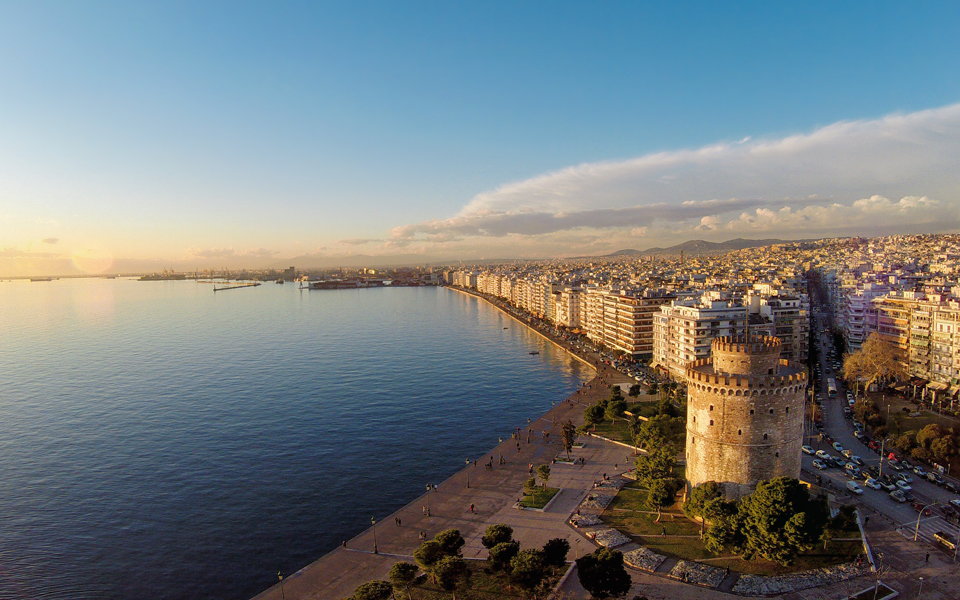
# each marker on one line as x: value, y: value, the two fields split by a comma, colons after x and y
x: 499, y: 454
x: 468, y: 472
x: 428, y: 498
x: 916, y: 532
x: 282, y: 595
x: 374, y: 523
x: 920, y: 591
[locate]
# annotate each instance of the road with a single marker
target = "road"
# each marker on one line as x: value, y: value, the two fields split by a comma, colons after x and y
x: 840, y: 429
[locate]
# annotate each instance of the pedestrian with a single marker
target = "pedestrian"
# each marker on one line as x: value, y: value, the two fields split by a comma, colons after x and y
x: 664, y: 532
x: 928, y: 557
x: 471, y: 507
x: 399, y: 522
x: 424, y: 509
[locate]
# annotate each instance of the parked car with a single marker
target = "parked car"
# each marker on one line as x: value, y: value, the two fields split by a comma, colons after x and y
x: 872, y: 483
x: 847, y: 453
x: 895, y: 465
x: 935, y: 477
x: 858, y: 434
x: 819, y: 464
x: 923, y: 510
x: 952, y: 487
x: 955, y: 503
x: 856, y: 460
x: 920, y: 471
x: 836, y: 446
x: 854, y: 487
x: 852, y: 470
x: 905, y: 478
x: 888, y: 486
x: 807, y: 449
x: 898, y: 496
x: 821, y: 454
x: 904, y: 486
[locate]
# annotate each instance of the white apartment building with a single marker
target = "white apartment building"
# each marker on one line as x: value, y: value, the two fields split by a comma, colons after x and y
x: 684, y: 329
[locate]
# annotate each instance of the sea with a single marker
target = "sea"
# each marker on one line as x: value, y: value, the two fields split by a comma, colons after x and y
x: 159, y: 440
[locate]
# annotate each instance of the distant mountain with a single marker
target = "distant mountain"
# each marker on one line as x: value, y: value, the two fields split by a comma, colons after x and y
x: 694, y: 247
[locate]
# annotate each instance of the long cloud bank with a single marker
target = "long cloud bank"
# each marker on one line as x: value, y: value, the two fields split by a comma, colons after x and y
x: 852, y: 177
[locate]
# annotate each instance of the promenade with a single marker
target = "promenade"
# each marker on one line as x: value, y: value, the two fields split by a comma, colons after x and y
x: 492, y: 493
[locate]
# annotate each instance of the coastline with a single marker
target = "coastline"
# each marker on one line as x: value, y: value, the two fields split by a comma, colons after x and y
x: 455, y: 503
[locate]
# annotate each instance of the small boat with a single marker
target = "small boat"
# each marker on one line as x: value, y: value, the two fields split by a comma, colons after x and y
x: 506, y: 328
x: 535, y: 352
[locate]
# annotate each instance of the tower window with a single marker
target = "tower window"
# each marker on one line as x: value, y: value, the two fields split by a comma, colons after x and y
x: 776, y: 454
x: 711, y: 407
x: 711, y: 422
x: 771, y: 411
x: 739, y: 432
x: 751, y: 411
x: 694, y: 419
x: 764, y: 436
x: 788, y: 410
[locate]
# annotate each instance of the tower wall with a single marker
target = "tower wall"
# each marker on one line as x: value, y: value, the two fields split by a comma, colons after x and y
x: 744, y: 427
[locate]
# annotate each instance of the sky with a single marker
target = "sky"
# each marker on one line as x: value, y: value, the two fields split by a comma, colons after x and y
x: 141, y: 135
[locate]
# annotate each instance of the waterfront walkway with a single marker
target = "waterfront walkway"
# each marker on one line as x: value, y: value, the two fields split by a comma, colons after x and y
x: 493, y: 493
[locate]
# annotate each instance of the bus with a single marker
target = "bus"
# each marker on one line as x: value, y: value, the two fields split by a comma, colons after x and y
x: 832, y: 387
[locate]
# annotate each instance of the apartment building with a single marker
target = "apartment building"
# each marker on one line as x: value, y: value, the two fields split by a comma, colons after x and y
x: 684, y: 329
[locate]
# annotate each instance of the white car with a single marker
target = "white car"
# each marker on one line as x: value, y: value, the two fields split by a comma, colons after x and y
x: 903, y: 485
x: 819, y: 464
x: 822, y: 454
x: 854, y: 487
x: 836, y: 446
x: 872, y: 483
x: 955, y: 503
x: 807, y: 449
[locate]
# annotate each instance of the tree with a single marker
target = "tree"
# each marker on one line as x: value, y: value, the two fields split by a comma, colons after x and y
x: 555, y: 552
x: 944, y: 448
x: 502, y: 554
x: 695, y: 506
x: 543, y: 472
x: 654, y: 388
x: 655, y: 465
x: 616, y: 393
x: 615, y: 408
x: 497, y: 534
x: 634, y: 390
x: 450, y: 541
x: 402, y: 575
x: 427, y: 556
x: 593, y: 415
x: 780, y: 520
x: 726, y: 527
x: 373, y: 590
x: 662, y: 431
x: 568, y: 435
x: 452, y: 573
x: 527, y: 569
x: 876, y: 359
x: 661, y: 495
x: 928, y: 434
x: 602, y: 573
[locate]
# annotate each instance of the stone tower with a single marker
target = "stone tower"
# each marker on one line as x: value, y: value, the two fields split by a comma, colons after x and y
x: 744, y: 415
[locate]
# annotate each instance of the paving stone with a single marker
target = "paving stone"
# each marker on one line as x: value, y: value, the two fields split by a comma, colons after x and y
x: 758, y: 585
x: 698, y: 573
x: 608, y: 538
x: 584, y: 520
x: 644, y: 559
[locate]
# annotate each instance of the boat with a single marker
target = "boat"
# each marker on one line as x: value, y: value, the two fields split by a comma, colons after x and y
x: 535, y: 352
x: 280, y: 281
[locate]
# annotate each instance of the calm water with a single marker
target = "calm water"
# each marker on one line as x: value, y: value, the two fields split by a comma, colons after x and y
x: 158, y: 440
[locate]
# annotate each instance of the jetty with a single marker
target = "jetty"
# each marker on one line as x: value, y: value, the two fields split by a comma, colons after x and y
x: 236, y: 286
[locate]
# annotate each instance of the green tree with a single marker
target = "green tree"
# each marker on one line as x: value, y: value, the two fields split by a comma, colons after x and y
x: 616, y: 393
x: 543, y: 472
x: 616, y: 408
x: 502, y: 554
x: 780, y: 520
x: 654, y: 465
x: 555, y: 552
x: 568, y: 435
x: 373, y: 590
x: 634, y: 390
x: 402, y: 575
x: 593, y: 415
x: 497, y: 534
x: 530, y: 486
x: 450, y: 541
x: 427, y: 556
x: 654, y: 388
x: 726, y: 527
x: 662, y: 431
x: 602, y: 573
x: 527, y: 569
x: 695, y: 505
x: 452, y: 573
x: 660, y: 495
x: 944, y: 448
x: 928, y: 434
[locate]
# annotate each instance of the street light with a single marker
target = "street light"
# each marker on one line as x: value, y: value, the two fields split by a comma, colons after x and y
x: 282, y: 595
x: 468, y: 472
x: 916, y: 532
x: 374, y: 523
x: 920, y: 591
x: 429, y: 486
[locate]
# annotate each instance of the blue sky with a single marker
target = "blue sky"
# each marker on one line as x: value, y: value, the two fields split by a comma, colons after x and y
x: 254, y: 132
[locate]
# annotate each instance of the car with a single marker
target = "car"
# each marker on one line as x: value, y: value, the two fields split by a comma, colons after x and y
x: 852, y: 470
x: 888, y: 486
x: 856, y: 459
x: 905, y: 478
x: 898, y: 496
x: 819, y: 464
x: 873, y: 445
x: 952, y: 487
x: 955, y: 503
x: 858, y: 434
x: 836, y: 446
x: 854, y: 487
x: 923, y: 510
x: 895, y: 465
x: 934, y: 477
x: 847, y: 453
x: 807, y: 449
x: 906, y: 465
x: 872, y: 483
x: 874, y: 470
x: 821, y: 454
x: 904, y: 486
x: 920, y: 471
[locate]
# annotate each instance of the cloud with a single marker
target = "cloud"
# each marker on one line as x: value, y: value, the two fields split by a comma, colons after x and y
x: 358, y: 241
x: 9, y: 252
x: 225, y: 253
x: 50, y: 240
x: 839, y: 178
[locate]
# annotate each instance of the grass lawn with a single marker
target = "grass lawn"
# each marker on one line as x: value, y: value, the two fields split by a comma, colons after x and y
x: 482, y: 585
x: 644, y: 409
x: 539, y: 498
x: 618, y: 430
x: 629, y: 513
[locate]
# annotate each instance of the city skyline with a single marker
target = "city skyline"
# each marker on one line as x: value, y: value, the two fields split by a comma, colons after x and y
x: 223, y: 135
